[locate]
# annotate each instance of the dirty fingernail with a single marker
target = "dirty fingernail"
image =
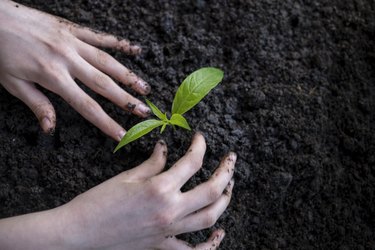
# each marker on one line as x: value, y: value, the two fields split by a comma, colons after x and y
x: 221, y: 235
x: 161, y: 142
x: 135, y: 50
x: 146, y: 88
x: 144, y: 109
x: 121, y: 134
x: 229, y: 188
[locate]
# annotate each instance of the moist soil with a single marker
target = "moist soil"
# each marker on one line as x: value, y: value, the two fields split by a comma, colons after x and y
x: 296, y: 104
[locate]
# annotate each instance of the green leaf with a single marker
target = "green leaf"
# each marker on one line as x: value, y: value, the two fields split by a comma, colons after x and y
x: 163, y: 127
x: 179, y: 120
x: 156, y: 111
x: 138, y: 131
x: 196, y: 86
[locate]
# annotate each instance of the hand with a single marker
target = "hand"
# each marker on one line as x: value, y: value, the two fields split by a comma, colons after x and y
x: 144, y: 209
x: 39, y: 49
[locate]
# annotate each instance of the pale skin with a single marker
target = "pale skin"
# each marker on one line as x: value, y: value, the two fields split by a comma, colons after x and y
x: 142, y: 208
x: 40, y: 49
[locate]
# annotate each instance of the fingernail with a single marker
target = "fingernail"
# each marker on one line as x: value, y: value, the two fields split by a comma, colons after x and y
x: 144, y: 109
x: 232, y: 156
x: 146, y: 88
x: 222, y: 235
x: 231, y: 184
x: 46, y: 124
x: 162, y: 142
x: 136, y: 50
x: 199, y: 133
x: 121, y: 134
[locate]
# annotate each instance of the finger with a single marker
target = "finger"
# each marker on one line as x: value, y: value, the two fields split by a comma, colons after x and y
x: 151, y: 167
x: 213, y: 242
x: 207, y: 216
x: 106, y: 63
x: 189, y: 164
x: 87, y: 107
x: 35, y: 100
x: 208, y: 192
x: 172, y: 243
x: 105, y: 86
x: 101, y: 39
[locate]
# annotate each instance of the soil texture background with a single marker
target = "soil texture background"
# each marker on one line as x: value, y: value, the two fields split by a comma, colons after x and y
x: 296, y: 104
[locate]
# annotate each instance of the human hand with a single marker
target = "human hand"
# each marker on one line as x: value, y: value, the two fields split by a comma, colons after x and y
x: 144, y: 209
x: 40, y: 49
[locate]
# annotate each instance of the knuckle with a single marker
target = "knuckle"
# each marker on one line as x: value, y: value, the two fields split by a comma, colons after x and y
x: 195, y: 163
x: 102, y: 58
x: 52, y: 70
x: 49, y: 67
x: 59, y: 47
x: 158, y: 191
x: 100, y: 38
x: 89, y: 106
x: 209, y: 220
x: 100, y: 81
x: 164, y: 220
x: 41, y: 109
x: 213, y: 193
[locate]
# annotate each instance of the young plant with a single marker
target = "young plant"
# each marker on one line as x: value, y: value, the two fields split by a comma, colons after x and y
x: 192, y: 90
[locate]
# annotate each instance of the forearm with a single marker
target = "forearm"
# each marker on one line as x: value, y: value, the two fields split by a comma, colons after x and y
x: 31, y: 231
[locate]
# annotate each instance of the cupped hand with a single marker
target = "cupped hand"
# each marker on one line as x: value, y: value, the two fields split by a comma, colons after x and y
x: 38, y: 49
x: 144, y: 208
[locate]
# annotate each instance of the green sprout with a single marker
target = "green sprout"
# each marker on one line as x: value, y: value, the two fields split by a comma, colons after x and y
x: 192, y: 90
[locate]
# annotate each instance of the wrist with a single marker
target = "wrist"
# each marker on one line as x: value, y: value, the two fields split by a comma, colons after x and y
x: 40, y: 230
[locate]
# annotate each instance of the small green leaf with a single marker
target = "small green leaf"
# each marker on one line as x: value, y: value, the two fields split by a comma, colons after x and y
x: 179, y: 120
x: 138, y: 131
x: 196, y: 86
x: 163, y: 127
x: 156, y: 111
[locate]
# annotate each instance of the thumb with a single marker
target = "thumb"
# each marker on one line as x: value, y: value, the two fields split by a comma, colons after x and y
x: 34, y: 99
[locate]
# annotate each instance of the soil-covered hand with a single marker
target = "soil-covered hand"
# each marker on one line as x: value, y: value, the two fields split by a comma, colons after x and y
x: 142, y: 208
x: 38, y: 49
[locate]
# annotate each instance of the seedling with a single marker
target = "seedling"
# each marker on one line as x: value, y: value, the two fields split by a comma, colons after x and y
x: 192, y: 90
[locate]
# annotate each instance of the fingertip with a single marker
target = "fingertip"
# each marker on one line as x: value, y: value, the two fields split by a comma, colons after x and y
x: 160, y: 150
x: 161, y: 145
x: 146, y: 89
x: 199, y: 133
x: 47, y: 125
x: 127, y: 47
x: 221, y: 233
x: 120, y: 135
x: 229, y: 161
x: 221, y: 237
x: 162, y: 142
x: 217, y: 236
x: 199, y: 136
x: 135, y: 50
x: 142, y: 87
x: 143, y: 110
x: 232, y: 156
x: 228, y: 190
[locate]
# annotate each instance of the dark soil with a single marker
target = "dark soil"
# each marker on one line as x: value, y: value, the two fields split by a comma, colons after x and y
x: 296, y: 104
